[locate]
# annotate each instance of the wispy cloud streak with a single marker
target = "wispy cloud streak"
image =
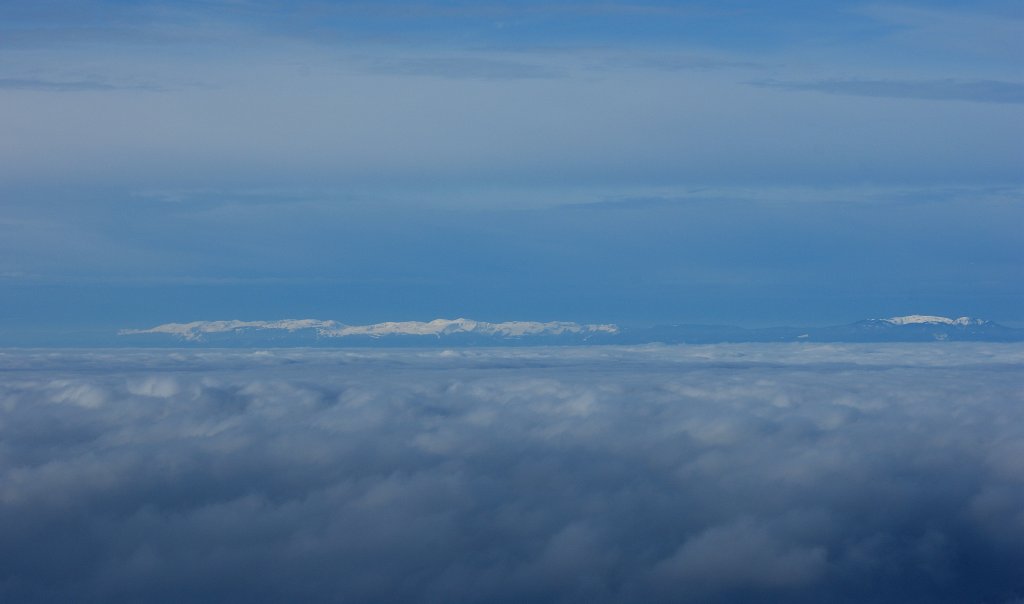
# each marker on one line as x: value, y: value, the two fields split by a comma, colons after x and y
x: 982, y: 91
x: 68, y: 85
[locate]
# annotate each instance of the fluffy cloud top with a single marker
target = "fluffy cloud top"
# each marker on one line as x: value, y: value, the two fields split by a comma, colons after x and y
x: 706, y: 474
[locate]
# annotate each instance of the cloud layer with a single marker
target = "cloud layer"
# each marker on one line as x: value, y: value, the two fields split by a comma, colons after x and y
x: 706, y: 474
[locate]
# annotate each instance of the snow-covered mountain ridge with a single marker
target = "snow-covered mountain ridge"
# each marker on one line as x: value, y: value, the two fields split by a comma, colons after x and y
x: 931, y: 319
x: 468, y: 332
x: 196, y: 330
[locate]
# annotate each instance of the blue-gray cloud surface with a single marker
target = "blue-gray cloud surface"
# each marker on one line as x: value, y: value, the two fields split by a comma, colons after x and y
x: 742, y: 473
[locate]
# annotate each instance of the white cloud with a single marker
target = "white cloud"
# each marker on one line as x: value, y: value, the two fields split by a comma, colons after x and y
x: 798, y: 473
x: 741, y: 555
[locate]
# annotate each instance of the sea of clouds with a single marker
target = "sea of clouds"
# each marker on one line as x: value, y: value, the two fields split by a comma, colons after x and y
x: 725, y: 473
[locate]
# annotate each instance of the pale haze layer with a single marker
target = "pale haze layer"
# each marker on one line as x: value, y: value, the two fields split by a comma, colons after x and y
x: 625, y: 162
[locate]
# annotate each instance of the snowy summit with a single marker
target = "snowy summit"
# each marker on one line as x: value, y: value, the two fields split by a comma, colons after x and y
x: 195, y: 330
x: 930, y: 319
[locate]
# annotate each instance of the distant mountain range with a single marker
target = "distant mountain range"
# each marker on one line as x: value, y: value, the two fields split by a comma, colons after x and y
x: 467, y: 332
x: 912, y: 328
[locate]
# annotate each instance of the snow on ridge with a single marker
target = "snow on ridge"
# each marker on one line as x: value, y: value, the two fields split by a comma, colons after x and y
x: 926, y: 319
x: 448, y: 326
x: 195, y: 330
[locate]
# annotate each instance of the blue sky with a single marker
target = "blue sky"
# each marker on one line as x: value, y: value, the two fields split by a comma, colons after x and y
x: 740, y: 162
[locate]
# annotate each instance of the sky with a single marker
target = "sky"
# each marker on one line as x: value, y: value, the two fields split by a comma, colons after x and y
x: 628, y: 162
x: 724, y: 473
